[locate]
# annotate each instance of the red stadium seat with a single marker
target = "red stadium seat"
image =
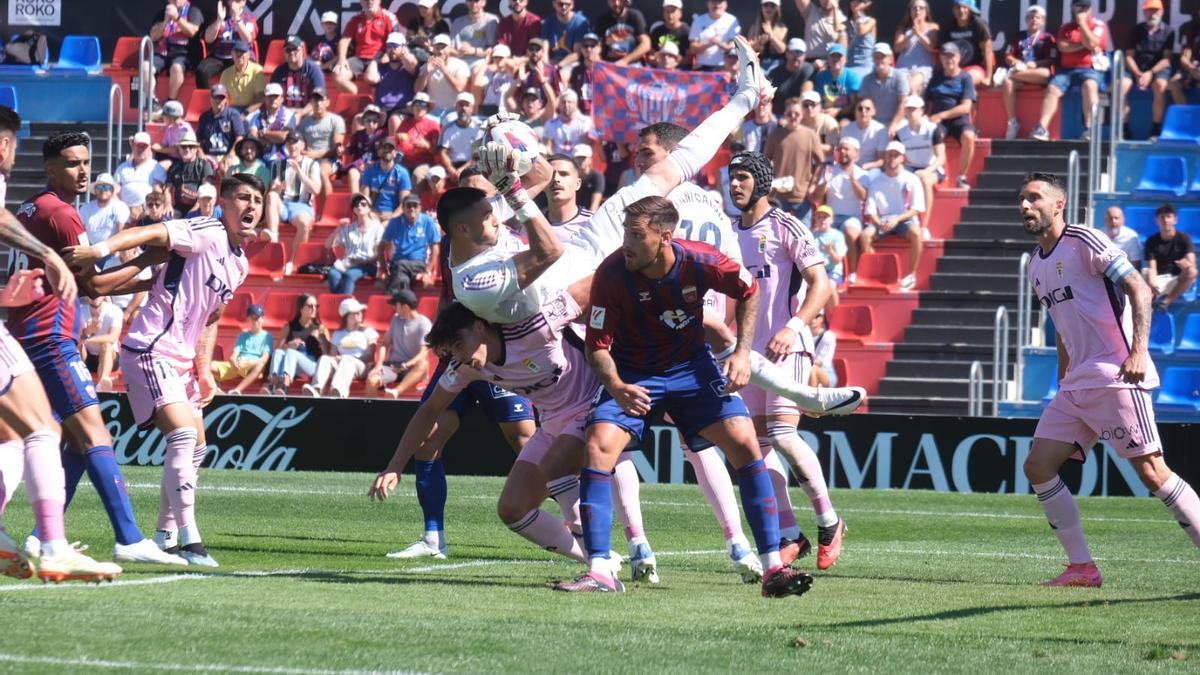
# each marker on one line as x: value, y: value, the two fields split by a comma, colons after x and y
x: 348, y: 105
x: 267, y: 259
x: 853, y: 324
x: 842, y: 369
x: 879, y: 270
x: 125, y: 55
x: 235, y: 311
x: 427, y: 303
x: 328, y: 307
x: 275, y: 57
x: 311, y: 253
x: 197, y: 104
x: 336, y: 206
x: 218, y: 353
x: 379, y: 312
x: 280, y: 307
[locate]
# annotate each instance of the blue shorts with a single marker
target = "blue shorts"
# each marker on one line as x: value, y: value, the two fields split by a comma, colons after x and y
x: 64, y: 374
x: 900, y: 229
x: 293, y: 209
x: 692, y: 393
x: 498, y: 404
x: 1075, y: 77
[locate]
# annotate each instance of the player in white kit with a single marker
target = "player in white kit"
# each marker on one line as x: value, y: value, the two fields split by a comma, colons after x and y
x: 165, y: 356
x: 1101, y: 309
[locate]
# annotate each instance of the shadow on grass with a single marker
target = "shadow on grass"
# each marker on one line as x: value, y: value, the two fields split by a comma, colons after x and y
x: 399, y: 577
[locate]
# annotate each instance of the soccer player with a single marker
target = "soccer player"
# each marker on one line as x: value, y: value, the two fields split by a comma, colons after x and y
x: 167, y: 353
x: 1101, y: 306
x: 645, y: 342
x: 783, y: 256
x: 46, y: 330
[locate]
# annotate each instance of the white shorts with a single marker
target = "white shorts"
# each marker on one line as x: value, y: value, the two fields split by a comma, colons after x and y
x: 13, y: 361
x: 761, y: 402
x: 154, y: 382
x: 571, y: 422
x: 389, y: 374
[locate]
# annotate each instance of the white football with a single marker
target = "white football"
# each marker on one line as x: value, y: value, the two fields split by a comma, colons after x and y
x: 517, y: 135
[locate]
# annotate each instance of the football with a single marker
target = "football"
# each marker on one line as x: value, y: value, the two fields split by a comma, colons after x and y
x: 518, y: 136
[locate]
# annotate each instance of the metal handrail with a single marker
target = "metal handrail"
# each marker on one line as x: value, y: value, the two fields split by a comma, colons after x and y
x: 1093, y: 179
x: 145, y: 65
x: 1024, y: 317
x: 115, y: 92
x: 1117, y: 115
x: 1072, y: 186
x: 999, y: 359
x: 975, y: 390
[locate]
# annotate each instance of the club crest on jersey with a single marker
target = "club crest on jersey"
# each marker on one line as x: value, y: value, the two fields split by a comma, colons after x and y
x: 531, y: 366
x: 597, y: 320
x: 690, y: 294
x: 1058, y: 268
x: 762, y: 243
x: 27, y: 209
x: 643, y: 296
x: 676, y: 319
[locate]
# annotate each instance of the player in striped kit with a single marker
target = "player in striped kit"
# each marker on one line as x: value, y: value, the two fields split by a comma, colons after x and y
x: 1101, y: 309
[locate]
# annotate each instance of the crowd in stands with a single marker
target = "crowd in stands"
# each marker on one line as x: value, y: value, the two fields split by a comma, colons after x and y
x: 857, y: 134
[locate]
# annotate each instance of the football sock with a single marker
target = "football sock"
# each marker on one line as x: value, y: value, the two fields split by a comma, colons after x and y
x: 12, y: 468
x: 698, y: 147
x: 548, y: 532
x: 595, y: 507
x: 74, y: 467
x: 1181, y: 499
x: 779, y: 478
x: 189, y: 535
x: 105, y: 474
x: 627, y: 495
x: 776, y: 380
x: 430, y: 478
x: 804, y: 460
x: 717, y: 487
x: 759, y: 503
x: 166, y: 519
x: 1063, y: 514
x: 179, y: 475
x: 565, y: 491
x: 45, y: 484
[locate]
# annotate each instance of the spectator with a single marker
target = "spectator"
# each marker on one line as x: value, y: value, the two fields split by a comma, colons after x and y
x: 428, y: 21
x: 348, y: 351
x: 1148, y: 63
x: 1028, y: 63
x: 417, y: 135
x: 249, y: 153
x: 570, y: 128
x: 491, y: 79
x: 325, y: 49
x: 323, y: 133
x: 562, y: 197
x: 130, y: 303
x: 443, y: 76
x: 971, y: 35
x: 358, y: 238
x: 860, y: 47
x: 580, y: 80
x: 711, y: 36
x: 1076, y: 48
x: 1188, y: 75
x: 156, y: 209
x: 244, y: 80
x: 795, y: 152
x: 251, y: 353
x: 793, y: 78
x: 563, y: 31
x: 188, y: 173
x: 362, y: 149
x: 755, y: 130
x: 832, y: 244
x: 301, y: 183
x: 220, y: 128
x: 394, y: 75
x: 887, y: 87
x: 671, y: 29
x: 408, y: 251
x: 872, y: 136
x: 843, y: 188
x: 536, y: 69
x: 837, y: 84
x: 475, y: 32
x: 301, y: 343
x: 271, y: 125
x: 105, y: 215
x: 916, y: 42
x: 174, y: 128
x: 206, y: 203
x: 894, y: 204
x: 925, y: 152
x: 386, y: 182
x: 1125, y: 237
x: 534, y: 112
x: 401, y: 356
x: 367, y: 31
x: 234, y: 24
x: 431, y: 188
x: 1170, y: 259
x: 140, y: 174
x: 459, y: 137
x: 623, y: 33
x: 823, y: 373
x: 667, y: 57
x: 825, y: 126
x: 824, y: 26
x: 768, y: 35
x: 172, y: 33
x: 516, y: 29
x: 101, y: 322
x: 298, y: 75
x: 952, y: 97
x: 591, y: 187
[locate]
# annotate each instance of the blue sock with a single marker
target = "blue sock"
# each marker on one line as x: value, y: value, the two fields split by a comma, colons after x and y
x: 105, y: 474
x: 758, y: 501
x: 595, y: 509
x: 73, y: 468
x: 431, y: 493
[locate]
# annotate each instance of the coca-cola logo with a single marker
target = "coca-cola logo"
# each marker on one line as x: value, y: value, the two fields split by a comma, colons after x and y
x: 239, y: 436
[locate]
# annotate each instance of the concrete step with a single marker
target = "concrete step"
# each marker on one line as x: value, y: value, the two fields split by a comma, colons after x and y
x: 958, y: 298
x: 1004, y: 178
x: 917, y: 405
x: 940, y: 351
x: 955, y: 335
x: 963, y: 245
x: 978, y: 264
x: 928, y: 388
x: 960, y: 370
x: 995, y: 283
x: 958, y: 316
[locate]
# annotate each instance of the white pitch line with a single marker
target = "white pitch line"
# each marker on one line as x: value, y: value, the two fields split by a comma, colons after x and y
x: 89, y: 662
x: 461, y: 565
x: 108, y: 584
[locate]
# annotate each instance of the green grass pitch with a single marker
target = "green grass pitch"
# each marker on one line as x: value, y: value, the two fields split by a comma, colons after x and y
x: 928, y: 583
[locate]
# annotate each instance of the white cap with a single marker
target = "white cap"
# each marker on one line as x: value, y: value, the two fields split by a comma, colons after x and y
x: 396, y: 39
x: 914, y: 101
x: 882, y: 48
x: 428, y: 3
x: 851, y: 141
x: 669, y: 47
x: 771, y: 2
x: 1038, y: 9
x: 896, y: 146
x: 502, y: 51
x: 350, y: 305
x: 672, y: 3
x: 330, y: 17
x: 465, y: 97
x: 141, y: 138
x: 273, y: 89
x: 582, y: 150
x: 440, y: 39
x: 796, y: 45
x: 104, y: 179
x: 420, y: 97
x: 438, y: 171
x: 811, y: 95
x: 207, y: 190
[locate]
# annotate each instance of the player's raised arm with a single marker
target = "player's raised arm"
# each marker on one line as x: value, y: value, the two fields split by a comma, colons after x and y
x: 499, y: 164
x: 123, y: 278
x: 13, y: 233
x: 84, y: 257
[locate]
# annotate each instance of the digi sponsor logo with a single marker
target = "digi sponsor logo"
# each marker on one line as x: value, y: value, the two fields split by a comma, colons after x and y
x: 1056, y: 296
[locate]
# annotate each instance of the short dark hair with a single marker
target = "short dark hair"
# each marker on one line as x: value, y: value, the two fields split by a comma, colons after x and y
x: 155, y: 198
x: 232, y: 183
x: 1165, y: 209
x: 560, y: 157
x: 658, y: 212
x: 9, y: 119
x: 668, y: 134
x: 469, y: 172
x: 1051, y: 179
x: 456, y: 200
x: 450, y: 321
x: 61, y: 140
x: 359, y: 199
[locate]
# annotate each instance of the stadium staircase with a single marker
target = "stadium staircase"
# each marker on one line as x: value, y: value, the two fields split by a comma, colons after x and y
x: 28, y: 177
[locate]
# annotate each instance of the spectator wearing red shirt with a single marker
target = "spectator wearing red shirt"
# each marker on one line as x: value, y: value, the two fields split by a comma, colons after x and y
x: 368, y: 30
x: 517, y: 28
x: 432, y: 187
x: 418, y: 134
x: 1029, y: 62
x: 234, y: 24
x: 1076, y: 50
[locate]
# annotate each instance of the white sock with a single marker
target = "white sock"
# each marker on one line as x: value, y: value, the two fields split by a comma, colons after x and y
x: 770, y: 560
x: 808, y: 469
x: 55, y: 548
x: 434, y: 538
x: 600, y: 565
x: 189, y: 534
x: 774, y: 379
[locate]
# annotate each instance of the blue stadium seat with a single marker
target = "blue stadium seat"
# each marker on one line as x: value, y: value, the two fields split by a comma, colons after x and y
x: 1162, y: 332
x: 1194, y: 188
x: 1141, y: 219
x: 1163, y: 176
x: 1181, y: 125
x: 8, y: 97
x: 1189, y: 336
x: 80, y: 52
x: 1180, y: 389
x: 1189, y: 222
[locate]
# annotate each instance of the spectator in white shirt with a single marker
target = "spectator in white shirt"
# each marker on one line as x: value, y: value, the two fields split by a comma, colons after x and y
x: 895, y: 202
x: 570, y: 127
x: 351, y: 347
x: 138, y: 175
x: 458, y: 137
x: 105, y: 215
x: 443, y: 76
x: 872, y: 136
x: 843, y: 187
x: 824, y: 349
x: 356, y: 242
x: 1125, y: 237
x: 101, y: 321
x: 712, y: 36
x: 925, y: 152
x: 293, y: 196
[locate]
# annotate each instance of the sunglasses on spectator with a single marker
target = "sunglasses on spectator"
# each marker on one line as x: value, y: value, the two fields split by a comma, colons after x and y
x: 104, y: 188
